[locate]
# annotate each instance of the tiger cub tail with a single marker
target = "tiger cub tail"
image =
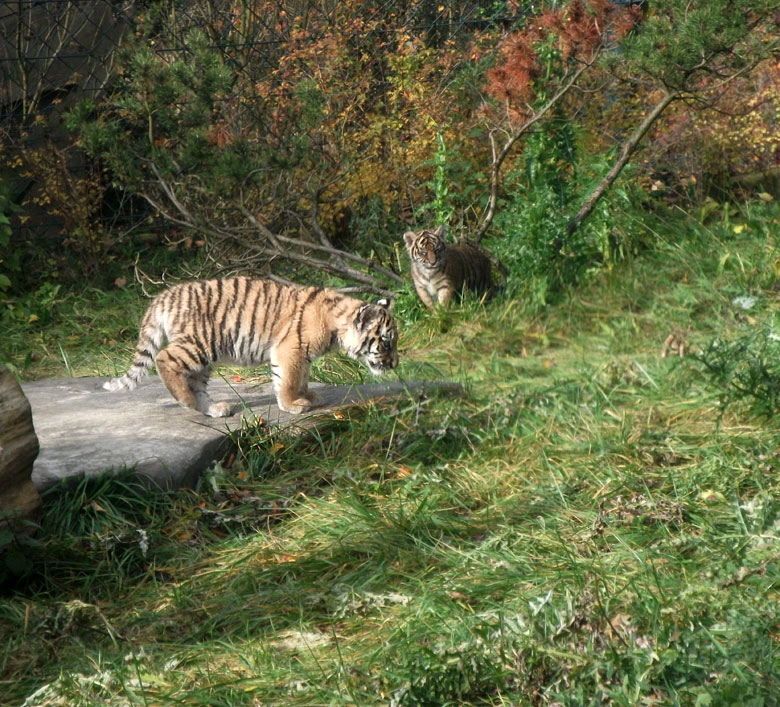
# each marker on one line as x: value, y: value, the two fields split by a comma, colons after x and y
x: 150, y: 341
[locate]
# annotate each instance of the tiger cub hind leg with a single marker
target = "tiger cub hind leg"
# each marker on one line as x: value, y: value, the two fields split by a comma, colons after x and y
x: 188, y: 385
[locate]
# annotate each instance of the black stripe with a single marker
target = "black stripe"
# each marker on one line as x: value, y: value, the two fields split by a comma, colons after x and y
x: 272, y: 320
x: 178, y: 362
x: 254, y: 332
x: 231, y: 306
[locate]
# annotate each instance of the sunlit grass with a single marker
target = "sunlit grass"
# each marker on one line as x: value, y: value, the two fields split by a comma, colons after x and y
x: 587, y: 524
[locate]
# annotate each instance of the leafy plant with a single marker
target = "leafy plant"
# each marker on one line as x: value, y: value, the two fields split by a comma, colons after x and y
x: 543, y: 255
x: 15, y: 546
x: 10, y: 260
x: 745, y: 368
x: 440, y: 207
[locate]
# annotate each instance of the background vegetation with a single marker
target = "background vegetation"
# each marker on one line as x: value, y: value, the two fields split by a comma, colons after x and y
x: 594, y: 521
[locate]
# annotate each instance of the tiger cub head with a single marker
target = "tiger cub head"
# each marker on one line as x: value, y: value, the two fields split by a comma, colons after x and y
x: 373, y: 337
x: 426, y: 248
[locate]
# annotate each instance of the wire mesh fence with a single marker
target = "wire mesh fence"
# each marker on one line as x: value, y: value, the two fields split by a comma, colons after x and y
x: 49, y: 48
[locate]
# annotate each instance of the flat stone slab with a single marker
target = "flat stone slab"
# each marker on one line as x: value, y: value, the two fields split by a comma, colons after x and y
x: 84, y: 430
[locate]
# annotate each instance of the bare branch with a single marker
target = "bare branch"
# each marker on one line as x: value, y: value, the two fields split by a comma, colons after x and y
x: 628, y: 149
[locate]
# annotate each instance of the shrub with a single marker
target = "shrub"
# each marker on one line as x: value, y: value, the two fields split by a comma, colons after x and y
x: 745, y: 368
x: 10, y: 259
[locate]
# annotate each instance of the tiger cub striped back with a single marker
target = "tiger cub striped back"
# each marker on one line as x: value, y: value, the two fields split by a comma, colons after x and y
x: 249, y: 322
x: 441, y: 272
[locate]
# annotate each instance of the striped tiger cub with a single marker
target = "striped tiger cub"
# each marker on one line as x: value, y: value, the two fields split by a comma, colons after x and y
x: 248, y: 322
x: 441, y: 271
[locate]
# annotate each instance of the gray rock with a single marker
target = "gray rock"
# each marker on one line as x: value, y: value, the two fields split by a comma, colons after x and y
x: 18, y: 449
x: 85, y: 430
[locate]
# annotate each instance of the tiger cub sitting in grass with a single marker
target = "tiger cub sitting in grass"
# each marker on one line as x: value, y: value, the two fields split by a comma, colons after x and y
x: 248, y: 322
x: 441, y: 272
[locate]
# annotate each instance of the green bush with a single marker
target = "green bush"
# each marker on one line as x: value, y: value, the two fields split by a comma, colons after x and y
x: 745, y: 368
x: 541, y: 197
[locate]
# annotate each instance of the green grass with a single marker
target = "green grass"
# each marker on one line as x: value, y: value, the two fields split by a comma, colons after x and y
x: 589, y: 523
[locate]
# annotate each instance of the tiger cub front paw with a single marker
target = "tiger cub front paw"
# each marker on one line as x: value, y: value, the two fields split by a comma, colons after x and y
x: 302, y: 404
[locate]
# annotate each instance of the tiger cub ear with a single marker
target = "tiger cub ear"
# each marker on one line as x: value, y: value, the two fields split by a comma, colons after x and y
x: 369, y: 311
x: 363, y: 315
x: 441, y: 231
x: 409, y: 238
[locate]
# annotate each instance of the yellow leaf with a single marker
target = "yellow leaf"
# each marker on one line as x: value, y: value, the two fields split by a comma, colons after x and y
x: 710, y: 496
x: 33, y: 318
x: 764, y: 196
x: 739, y: 228
x: 276, y: 447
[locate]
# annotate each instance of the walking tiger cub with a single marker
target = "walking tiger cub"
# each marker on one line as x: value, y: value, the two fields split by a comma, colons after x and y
x: 248, y: 322
x: 441, y: 271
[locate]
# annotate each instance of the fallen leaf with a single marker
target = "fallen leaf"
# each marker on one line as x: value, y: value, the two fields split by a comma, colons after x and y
x: 620, y: 622
x: 708, y: 496
x: 458, y: 596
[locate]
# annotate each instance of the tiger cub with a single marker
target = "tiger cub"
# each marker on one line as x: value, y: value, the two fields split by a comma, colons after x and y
x: 248, y: 322
x: 441, y: 271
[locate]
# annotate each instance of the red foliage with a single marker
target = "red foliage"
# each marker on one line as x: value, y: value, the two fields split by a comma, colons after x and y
x: 577, y: 31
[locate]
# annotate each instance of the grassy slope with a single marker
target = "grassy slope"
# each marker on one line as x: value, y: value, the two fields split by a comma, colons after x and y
x: 586, y: 525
